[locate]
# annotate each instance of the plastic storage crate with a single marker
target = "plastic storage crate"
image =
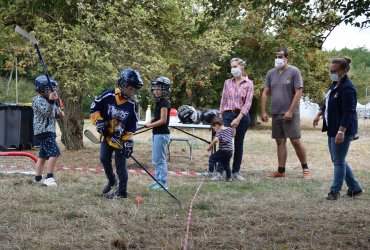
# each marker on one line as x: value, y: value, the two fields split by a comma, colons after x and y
x: 16, y: 126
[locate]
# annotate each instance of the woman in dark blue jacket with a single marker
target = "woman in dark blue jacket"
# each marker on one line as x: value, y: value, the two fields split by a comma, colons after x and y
x: 340, y: 123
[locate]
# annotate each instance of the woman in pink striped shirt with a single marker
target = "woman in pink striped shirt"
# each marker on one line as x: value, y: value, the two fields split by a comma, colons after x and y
x: 236, y: 101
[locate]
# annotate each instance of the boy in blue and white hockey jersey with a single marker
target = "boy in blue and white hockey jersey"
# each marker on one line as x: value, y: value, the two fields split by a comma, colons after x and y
x: 113, y: 113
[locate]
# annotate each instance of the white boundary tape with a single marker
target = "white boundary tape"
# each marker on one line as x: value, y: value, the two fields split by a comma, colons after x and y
x: 101, y: 170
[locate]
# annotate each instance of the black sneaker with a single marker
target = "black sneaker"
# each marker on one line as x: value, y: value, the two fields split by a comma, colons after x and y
x: 355, y: 137
x: 115, y: 195
x: 353, y: 194
x: 332, y: 196
x: 109, y: 188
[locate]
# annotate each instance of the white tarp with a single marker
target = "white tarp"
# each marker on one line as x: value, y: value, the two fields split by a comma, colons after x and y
x: 363, y: 111
x: 308, y: 109
x: 360, y: 106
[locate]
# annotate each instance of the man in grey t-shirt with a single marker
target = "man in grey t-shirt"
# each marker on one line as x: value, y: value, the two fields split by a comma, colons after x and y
x: 284, y: 84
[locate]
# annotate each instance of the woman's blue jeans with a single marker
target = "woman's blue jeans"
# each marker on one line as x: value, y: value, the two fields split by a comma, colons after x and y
x: 342, y: 171
x: 241, y: 130
x: 106, y: 153
x: 159, y: 156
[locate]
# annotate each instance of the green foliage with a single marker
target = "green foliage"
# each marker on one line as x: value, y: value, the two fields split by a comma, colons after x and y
x: 86, y: 43
x: 318, y: 17
x: 25, y: 90
x: 258, y: 36
x: 105, y: 37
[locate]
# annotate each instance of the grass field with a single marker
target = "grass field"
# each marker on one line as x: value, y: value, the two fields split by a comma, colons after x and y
x: 260, y: 213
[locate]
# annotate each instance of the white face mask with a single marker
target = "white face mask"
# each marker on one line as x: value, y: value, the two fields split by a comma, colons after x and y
x: 236, y: 72
x: 279, y: 63
x: 334, y: 77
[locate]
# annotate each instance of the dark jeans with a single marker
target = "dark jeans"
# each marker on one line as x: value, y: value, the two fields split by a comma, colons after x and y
x: 106, y: 152
x: 222, y: 157
x: 242, y: 128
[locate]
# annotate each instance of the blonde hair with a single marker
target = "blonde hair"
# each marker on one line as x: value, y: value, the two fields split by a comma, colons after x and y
x: 240, y: 62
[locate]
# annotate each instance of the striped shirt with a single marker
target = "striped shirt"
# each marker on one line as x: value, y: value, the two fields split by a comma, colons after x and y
x: 237, y: 97
x: 225, y: 137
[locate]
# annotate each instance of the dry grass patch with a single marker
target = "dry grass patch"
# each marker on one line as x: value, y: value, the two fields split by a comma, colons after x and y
x: 260, y: 213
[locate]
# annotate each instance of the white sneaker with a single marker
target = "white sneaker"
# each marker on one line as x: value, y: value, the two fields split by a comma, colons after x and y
x: 37, y: 183
x: 49, y: 182
x: 238, y: 176
x: 217, y: 177
x: 207, y: 174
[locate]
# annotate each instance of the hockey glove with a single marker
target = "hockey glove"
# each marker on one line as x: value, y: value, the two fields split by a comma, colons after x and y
x: 118, y: 133
x: 129, y: 148
x: 102, y: 127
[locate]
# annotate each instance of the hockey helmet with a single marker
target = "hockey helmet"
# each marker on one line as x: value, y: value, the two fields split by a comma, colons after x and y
x: 199, y: 115
x: 130, y: 77
x: 163, y: 83
x: 187, y: 114
x: 42, y: 85
x: 208, y: 115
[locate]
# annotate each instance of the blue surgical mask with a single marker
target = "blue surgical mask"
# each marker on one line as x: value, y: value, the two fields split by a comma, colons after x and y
x: 334, y: 77
x: 236, y: 72
x: 279, y: 63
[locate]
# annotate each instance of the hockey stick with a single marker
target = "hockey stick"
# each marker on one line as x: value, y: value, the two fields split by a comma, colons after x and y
x: 35, y: 43
x: 95, y: 140
x: 136, y: 133
x: 204, y: 140
x: 90, y: 135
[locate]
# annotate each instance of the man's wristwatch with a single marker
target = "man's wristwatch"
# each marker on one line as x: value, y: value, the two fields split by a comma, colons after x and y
x: 341, y: 132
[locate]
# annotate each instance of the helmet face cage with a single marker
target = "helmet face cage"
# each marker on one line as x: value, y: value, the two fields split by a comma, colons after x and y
x: 187, y: 114
x: 165, y: 91
x: 129, y: 78
x: 162, y: 83
x: 46, y: 89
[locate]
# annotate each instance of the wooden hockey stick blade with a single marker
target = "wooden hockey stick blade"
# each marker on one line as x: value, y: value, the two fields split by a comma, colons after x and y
x: 90, y: 135
x: 25, y: 34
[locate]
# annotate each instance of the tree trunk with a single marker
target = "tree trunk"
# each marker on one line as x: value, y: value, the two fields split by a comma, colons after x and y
x: 253, y: 111
x: 253, y: 119
x: 72, y: 123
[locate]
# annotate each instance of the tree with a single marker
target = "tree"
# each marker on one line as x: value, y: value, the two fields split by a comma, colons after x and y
x: 87, y: 45
x: 258, y: 35
x: 318, y: 17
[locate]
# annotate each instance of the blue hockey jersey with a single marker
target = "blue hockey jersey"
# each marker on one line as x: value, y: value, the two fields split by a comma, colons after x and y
x: 115, y: 110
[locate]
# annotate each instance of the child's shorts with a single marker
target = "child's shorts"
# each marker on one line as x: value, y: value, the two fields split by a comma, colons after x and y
x: 48, y: 146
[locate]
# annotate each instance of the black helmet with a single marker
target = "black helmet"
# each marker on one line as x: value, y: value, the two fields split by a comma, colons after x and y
x: 199, y: 115
x: 42, y: 85
x: 130, y: 77
x: 208, y: 115
x: 187, y: 114
x: 164, y: 84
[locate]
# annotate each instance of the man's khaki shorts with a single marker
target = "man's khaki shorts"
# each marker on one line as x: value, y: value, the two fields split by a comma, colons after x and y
x: 286, y: 129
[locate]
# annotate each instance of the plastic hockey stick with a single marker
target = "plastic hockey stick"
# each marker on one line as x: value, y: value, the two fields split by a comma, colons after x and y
x: 95, y: 140
x: 136, y: 133
x: 35, y: 43
x: 91, y: 136
x: 204, y: 140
